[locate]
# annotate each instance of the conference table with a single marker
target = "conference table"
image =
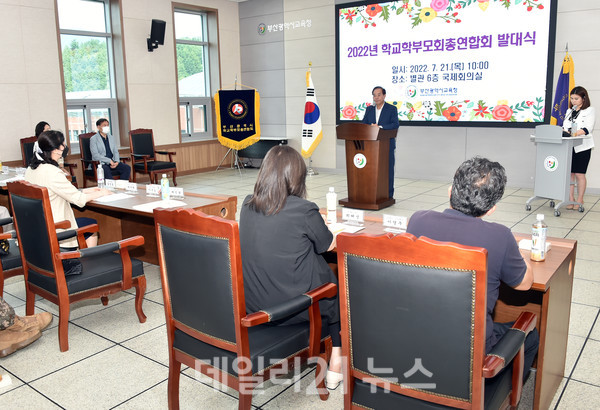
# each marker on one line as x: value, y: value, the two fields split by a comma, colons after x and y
x: 8, y: 174
x: 549, y: 298
x: 120, y: 219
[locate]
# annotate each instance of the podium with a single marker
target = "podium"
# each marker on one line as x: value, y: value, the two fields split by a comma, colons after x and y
x: 367, y: 165
x: 553, y: 167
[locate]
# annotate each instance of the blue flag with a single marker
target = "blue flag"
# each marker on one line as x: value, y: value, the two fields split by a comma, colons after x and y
x: 238, y: 119
x: 565, y: 83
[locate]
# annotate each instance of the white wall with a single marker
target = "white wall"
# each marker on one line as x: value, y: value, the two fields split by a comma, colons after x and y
x: 317, y: 45
x: 30, y: 85
x: 152, y: 77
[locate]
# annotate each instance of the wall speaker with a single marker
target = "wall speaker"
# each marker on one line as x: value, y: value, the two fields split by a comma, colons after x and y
x: 157, y: 34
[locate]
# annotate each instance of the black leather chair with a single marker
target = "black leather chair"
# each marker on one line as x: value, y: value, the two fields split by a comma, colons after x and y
x: 207, y: 325
x: 105, y: 269
x: 27, y: 153
x: 27, y: 149
x: 413, y: 316
x: 143, y: 156
x: 88, y: 166
x: 10, y: 265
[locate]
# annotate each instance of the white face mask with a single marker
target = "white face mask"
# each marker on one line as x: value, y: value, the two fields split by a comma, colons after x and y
x: 106, y: 129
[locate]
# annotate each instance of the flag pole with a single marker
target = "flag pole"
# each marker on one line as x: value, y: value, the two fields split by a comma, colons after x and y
x: 310, y: 171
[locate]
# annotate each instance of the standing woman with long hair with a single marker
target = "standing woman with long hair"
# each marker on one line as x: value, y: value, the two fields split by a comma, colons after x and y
x: 44, y: 171
x: 282, y: 237
x: 579, y: 121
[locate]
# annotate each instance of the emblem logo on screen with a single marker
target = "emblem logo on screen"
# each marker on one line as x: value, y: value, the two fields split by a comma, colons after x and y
x: 262, y: 28
x: 360, y: 161
x: 551, y: 163
x: 411, y: 91
x: 238, y: 109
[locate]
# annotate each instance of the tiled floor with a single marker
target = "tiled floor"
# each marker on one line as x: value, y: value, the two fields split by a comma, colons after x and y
x: 114, y: 361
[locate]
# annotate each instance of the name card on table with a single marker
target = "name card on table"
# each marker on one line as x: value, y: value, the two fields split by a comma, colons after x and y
x: 131, y: 187
x: 176, y: 193
x: 394, y: 223
x: 354, y: 217
x: 110, y: 184
x: 153, y: 190
x: 121, y: 183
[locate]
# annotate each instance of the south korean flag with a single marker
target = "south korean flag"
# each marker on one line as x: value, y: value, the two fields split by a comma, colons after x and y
x: 312, y: 132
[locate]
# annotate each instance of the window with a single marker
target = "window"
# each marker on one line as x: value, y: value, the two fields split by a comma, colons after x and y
x: 87, y: 56
x: 195, y: 103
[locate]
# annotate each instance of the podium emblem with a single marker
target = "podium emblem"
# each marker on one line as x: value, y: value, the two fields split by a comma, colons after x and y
x: 550, y: 163
x: 360, y: 161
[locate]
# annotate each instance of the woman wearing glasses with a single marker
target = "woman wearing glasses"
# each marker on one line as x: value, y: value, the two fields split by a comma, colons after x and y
x: 44, y: 171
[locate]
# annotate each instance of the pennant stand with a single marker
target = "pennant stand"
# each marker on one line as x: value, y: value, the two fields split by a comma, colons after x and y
x: 236, y: 135
x: 236, y: 162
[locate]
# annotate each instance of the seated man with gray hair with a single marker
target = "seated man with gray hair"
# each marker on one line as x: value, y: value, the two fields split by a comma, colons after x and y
x: 477, y: 187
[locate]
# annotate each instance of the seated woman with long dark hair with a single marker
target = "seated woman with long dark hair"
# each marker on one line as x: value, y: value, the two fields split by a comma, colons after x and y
x: 44, y: 171
x: 282, y: 237
x: 39, y: 128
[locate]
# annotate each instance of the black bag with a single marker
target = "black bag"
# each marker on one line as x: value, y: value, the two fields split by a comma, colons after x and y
x: 72, y: 267
x: 4, y: 247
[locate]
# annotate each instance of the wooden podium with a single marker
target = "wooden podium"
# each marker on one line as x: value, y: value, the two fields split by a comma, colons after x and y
x: 367, y: 165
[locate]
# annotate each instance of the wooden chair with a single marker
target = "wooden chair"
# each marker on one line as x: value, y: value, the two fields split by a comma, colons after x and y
x: 10, y: 265
x: 90, y: 167
x: 207, y: 325
x: 103, y: 271
x: 143, y: 156
x: 413, y: 316
x: 27, y: 153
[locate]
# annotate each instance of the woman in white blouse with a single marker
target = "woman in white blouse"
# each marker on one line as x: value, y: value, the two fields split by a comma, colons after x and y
x: 44, y: 171
x: 579, y: 121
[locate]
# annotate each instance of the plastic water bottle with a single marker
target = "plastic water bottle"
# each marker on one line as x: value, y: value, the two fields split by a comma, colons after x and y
x: 100, y: 174
x: 331, y: 206
x: 538, y: 239
x: 164, y: 188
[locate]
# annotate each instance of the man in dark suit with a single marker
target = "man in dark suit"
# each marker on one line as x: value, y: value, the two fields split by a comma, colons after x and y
x: 384, y: 115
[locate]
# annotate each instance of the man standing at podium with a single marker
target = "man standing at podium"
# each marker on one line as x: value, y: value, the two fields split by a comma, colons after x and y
x: 384, y: 115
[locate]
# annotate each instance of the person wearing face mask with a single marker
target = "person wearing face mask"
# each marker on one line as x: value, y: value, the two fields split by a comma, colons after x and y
x: 44, y: 126
x: 385, y: 116
x: 44, y: 171
x: 579, y: 121
x: 105, y: 151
